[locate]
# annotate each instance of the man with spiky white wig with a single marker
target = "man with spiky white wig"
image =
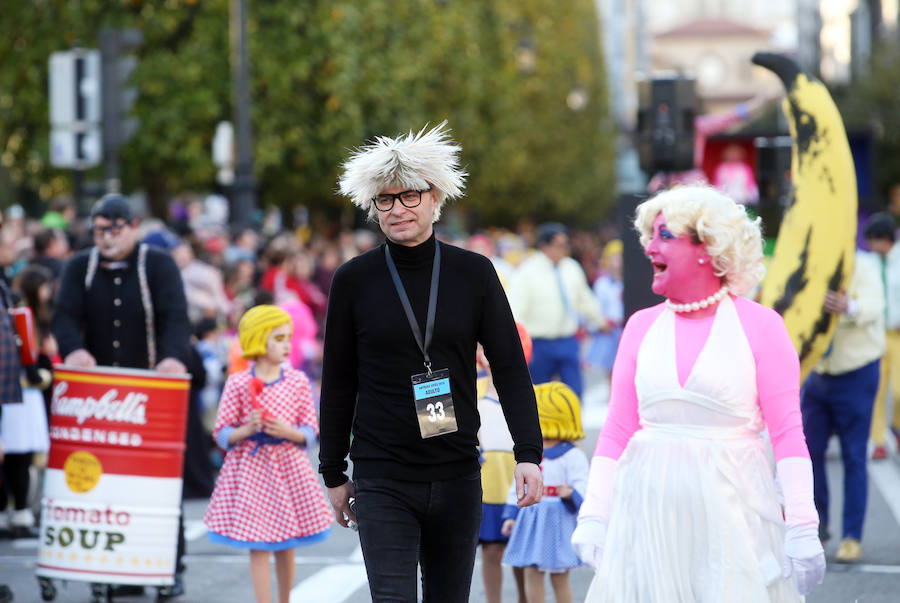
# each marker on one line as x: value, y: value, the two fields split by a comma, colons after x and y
x: 403, y: 323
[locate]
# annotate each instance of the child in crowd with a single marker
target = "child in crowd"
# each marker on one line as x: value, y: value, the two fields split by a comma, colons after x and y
x: 267, y: 497
x: 608, y: 289
x: 540, y: 534
x: 23, y: 427
x: 497, y: 470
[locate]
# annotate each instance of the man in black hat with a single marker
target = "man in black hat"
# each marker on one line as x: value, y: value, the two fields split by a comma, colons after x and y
x: 122, y: 304
x: 108, y: 290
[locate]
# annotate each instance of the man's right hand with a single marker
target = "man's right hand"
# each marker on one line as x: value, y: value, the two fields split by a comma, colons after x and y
x: 340, y: 502
x: 81, y: 358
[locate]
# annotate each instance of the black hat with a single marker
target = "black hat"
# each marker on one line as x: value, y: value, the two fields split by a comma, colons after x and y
x: 204, y: 326
x: 881, y: 226
x: 547, y: 231
x: 113, y: 207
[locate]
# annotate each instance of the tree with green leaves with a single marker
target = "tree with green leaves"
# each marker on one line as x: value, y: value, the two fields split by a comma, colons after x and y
x: 521, y: 83
x: 870, y: 103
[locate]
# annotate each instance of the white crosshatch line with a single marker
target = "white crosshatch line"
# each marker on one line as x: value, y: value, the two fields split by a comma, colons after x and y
x: 333, y: 584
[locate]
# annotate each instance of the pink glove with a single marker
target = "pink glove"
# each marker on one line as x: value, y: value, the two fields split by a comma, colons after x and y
x: 803, y: 553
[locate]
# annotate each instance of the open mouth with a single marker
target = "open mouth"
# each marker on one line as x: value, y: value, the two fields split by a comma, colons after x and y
x: 659, y: 267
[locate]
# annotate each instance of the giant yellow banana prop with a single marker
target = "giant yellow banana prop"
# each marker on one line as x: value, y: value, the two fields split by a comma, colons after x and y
x: 816, y: 243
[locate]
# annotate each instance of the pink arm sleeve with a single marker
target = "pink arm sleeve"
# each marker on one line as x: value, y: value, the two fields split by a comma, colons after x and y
x: 622, y: 419
x: 777, y: 377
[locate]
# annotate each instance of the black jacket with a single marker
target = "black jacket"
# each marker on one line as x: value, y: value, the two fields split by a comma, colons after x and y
x: 108, y: 320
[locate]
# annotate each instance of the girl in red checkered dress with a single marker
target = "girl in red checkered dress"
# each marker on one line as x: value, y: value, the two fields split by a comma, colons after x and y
x: 267, y: 497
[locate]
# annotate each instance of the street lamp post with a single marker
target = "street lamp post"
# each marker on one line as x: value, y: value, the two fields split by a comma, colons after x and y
x: 244, y: 199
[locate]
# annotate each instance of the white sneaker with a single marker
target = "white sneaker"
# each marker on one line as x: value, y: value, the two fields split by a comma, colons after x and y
x: 23, y: 518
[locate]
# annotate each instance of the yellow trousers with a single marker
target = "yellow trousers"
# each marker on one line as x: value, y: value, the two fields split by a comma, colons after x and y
x: 890, y: 378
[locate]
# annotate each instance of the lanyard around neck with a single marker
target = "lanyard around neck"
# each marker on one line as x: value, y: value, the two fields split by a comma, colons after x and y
x: 432, y: 301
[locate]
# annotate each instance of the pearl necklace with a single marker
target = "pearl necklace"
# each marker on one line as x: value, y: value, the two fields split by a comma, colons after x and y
x: 699, y: 305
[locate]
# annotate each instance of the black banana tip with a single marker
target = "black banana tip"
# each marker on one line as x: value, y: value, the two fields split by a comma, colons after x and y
x: 785, y: 68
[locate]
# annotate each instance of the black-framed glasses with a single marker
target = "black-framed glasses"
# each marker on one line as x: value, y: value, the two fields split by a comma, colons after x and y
x: 410, y: 199
x: 112, y: 229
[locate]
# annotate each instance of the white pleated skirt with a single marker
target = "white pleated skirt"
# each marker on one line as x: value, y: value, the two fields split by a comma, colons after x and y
x: 693, y: 520
x: 23, y: 427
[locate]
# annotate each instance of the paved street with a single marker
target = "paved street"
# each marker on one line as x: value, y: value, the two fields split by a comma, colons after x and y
x: 333, y: 572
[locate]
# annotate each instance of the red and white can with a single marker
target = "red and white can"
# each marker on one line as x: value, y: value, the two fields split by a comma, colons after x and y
x: 112, y: 489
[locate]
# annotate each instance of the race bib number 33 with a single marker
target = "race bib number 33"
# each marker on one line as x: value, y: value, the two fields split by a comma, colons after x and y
x: 434, y: 403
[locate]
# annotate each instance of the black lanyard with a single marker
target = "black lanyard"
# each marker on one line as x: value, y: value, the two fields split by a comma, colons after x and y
x: 432, y: 301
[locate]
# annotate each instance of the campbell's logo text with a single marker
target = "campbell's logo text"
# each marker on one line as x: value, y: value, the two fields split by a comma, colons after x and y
x: 130, y: 409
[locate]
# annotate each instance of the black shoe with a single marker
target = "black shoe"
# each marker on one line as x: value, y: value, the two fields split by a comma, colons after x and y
x: 175, y: 590
x: 17, y: 532
x: 127, y: 590
x: 6, y: 595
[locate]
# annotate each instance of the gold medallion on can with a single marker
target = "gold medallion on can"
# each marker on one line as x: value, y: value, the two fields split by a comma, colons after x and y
x: 83, y: 471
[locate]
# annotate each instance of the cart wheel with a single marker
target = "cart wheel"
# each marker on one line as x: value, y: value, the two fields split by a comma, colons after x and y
x: 48, y: 589
x: 162, y: 595
x: 101, y: 593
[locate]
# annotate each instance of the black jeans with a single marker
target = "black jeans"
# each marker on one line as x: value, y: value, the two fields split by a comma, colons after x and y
x: 432, y: 523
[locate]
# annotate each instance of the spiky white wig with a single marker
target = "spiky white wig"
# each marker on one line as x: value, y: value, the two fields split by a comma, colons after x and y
x: 416, y: 161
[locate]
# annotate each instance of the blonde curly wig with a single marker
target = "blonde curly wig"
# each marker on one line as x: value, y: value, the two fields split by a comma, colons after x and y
x: 415, y: 161
x: 732, y: 239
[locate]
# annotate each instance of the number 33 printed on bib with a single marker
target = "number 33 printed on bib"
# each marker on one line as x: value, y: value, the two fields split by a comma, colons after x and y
x: 434, y: 403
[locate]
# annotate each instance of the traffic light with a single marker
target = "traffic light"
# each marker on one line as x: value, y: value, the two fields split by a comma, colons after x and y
x: 665, y: 128
x: 75, y: 108
x: 119, y: 94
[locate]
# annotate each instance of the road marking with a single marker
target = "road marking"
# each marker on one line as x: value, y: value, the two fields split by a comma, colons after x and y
x: 878, y: 569
x: 356, y: 555
x: 330, y: 585
x: 887, y: 480
x: 238, y: 558
x: 866, y: 568
x: 194, y: 529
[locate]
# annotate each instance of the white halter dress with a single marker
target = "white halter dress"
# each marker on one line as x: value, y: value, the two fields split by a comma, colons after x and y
x: 695, y: 517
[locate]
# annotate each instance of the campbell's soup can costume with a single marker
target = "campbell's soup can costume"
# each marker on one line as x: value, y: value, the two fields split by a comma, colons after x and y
x: 112, y: 488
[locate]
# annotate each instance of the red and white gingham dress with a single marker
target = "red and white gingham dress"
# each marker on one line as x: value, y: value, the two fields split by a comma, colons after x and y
x: 272, y: 496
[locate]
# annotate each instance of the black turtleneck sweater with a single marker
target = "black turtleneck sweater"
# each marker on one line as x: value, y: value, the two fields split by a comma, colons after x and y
x: 371, y: 353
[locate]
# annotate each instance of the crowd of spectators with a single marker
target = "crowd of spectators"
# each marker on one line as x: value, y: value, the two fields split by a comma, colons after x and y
x: 227, y: 271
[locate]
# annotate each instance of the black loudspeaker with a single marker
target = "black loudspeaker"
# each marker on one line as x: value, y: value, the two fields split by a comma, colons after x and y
x: 773, y: 177
x: 667, y: 107
x: 637, y: 273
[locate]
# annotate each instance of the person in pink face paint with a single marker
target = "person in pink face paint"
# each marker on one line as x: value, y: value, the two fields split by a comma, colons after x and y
x: 682, y: 504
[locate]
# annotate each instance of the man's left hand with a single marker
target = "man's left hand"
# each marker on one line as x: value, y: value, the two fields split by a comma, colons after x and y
x: 836, y: 303
x: 172, y: 366
x: 529, y: 484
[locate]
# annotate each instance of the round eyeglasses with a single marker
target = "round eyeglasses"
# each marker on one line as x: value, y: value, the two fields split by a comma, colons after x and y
x: 112, y: 230
x: 410, y: 199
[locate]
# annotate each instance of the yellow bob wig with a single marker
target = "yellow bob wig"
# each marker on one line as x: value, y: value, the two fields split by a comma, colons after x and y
x: 255, y: 326
x: 559, y: 411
